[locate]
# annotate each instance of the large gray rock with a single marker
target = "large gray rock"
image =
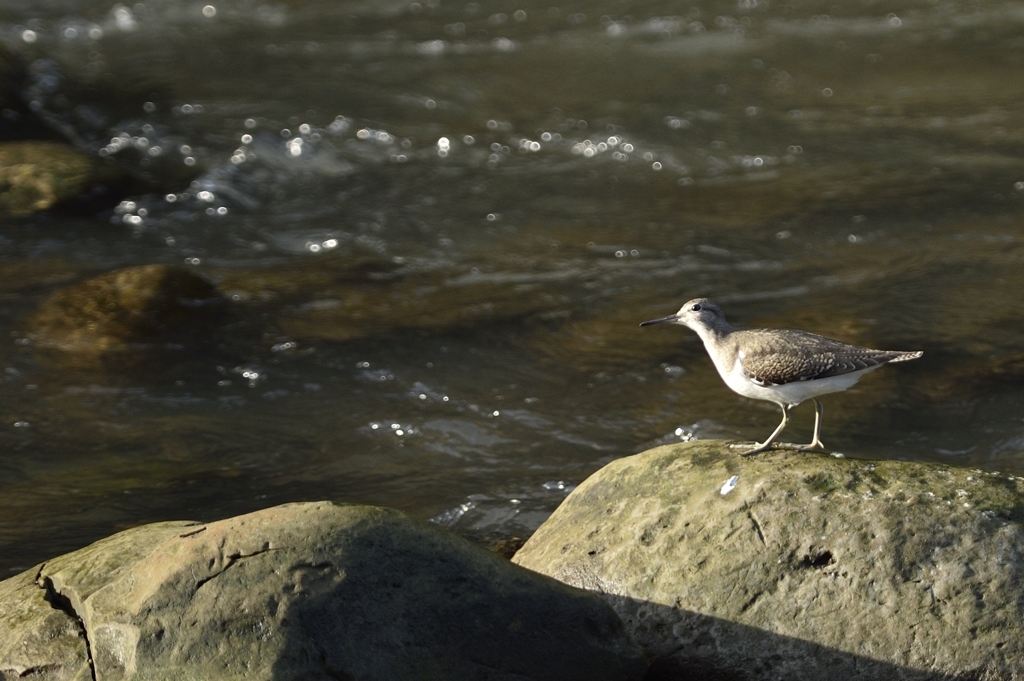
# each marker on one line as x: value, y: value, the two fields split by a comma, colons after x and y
x: 812, y: 567
x: 303, y: 591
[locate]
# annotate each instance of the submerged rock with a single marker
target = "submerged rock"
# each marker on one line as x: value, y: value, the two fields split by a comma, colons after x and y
x: 331, y: 300
x: 303, y: 591
x: 791, y: 565
x: 127, y: 312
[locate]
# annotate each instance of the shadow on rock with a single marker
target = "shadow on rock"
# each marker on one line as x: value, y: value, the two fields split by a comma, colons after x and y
x: 399, y: 607
x: 697, y: 654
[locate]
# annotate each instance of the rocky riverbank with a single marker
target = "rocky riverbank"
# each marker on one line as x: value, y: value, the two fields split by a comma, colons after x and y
x: 687, y: 561
x: 303, y: 591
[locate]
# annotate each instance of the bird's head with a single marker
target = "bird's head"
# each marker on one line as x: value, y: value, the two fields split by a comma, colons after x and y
x: 699, y: 314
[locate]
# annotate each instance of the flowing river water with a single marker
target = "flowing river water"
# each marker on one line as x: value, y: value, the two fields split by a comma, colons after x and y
x: 452, y: 217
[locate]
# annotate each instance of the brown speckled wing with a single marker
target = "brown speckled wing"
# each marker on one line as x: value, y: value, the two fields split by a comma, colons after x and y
x: 778, y: 357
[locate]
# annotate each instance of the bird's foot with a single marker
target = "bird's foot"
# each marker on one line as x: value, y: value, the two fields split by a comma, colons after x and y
x: 816, y: 446
x: 758, y: 448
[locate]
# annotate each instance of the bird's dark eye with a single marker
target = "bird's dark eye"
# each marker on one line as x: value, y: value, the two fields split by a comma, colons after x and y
x: 695, y: 308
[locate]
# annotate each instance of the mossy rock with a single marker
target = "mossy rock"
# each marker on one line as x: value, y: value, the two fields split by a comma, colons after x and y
x: 806, y: 567
x: 128, y: 312
x: 37, y: 175
x: 51, y: 645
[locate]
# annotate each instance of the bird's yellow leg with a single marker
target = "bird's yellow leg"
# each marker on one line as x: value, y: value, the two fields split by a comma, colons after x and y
x: 764, y: 446
x: 816, y: 445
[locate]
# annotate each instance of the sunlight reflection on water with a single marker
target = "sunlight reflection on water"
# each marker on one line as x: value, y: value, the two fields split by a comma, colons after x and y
x: 439, y: 226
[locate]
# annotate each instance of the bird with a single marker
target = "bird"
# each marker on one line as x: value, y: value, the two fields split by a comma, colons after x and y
x: 784, y: 366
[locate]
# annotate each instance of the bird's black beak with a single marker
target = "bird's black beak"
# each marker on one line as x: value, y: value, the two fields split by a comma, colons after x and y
x: 661, y: 320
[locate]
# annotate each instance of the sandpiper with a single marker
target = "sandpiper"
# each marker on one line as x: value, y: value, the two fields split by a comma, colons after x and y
x: 784, y: 366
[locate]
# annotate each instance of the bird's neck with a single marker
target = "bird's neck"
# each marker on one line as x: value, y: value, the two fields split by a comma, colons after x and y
x: 721, y: 351
x: 713, y: 334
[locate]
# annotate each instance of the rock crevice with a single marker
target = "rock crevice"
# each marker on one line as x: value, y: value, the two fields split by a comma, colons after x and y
x: 230, y: 561
x: 59, y: 601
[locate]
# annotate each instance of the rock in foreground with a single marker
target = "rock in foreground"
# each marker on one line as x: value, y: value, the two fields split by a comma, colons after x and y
x: 303, y: 591
x: 811, y: 567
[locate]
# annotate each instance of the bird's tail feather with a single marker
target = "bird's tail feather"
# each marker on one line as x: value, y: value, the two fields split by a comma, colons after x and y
x: 903, y: 357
